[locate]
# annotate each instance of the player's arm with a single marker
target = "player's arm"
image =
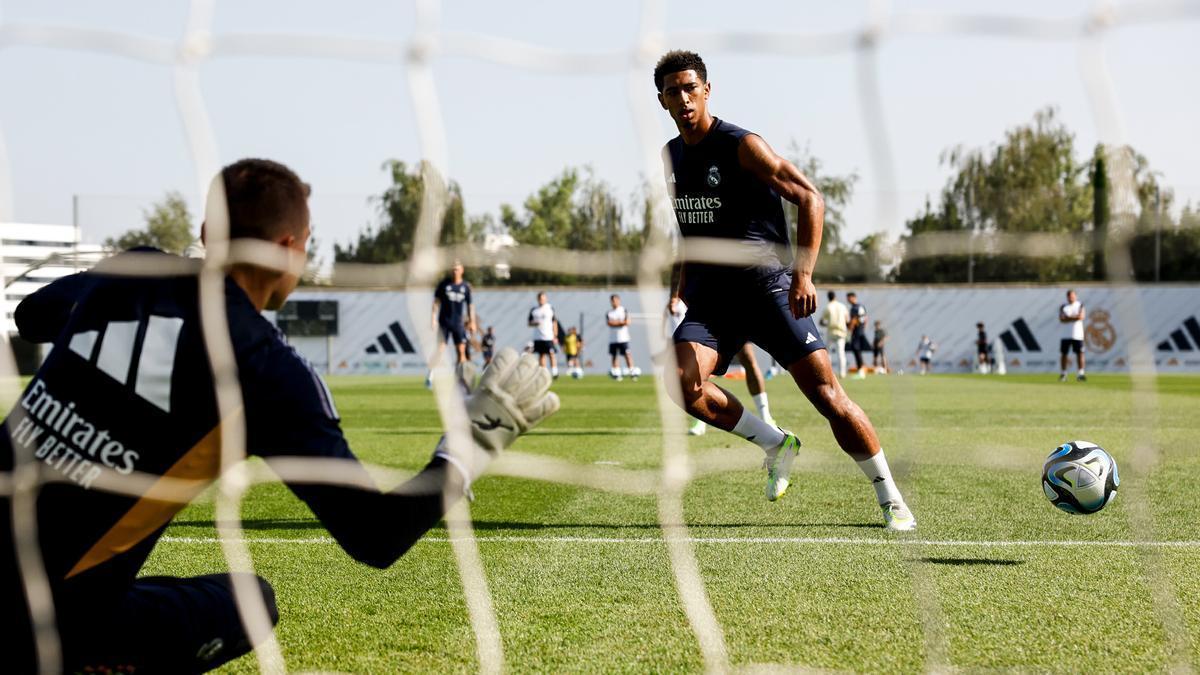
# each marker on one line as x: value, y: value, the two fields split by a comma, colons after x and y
x: 472, y: 319
x: 292, y: 416
x: 43, y: 314
x: 1082, y: 313
x: 782, y: 176
x: 676, y: 284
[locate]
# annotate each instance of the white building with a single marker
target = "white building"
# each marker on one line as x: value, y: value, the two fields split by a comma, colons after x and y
x: 32, y: 256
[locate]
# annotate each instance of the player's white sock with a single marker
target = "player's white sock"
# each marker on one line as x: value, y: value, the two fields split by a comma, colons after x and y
x: 877, y: 471
x: 1081, y: 371
x: 756, y: 431
x: 554, y: 371
x: 764, y: 407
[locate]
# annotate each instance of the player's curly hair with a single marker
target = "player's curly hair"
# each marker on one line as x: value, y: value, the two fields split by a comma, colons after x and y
x: 679, y: 60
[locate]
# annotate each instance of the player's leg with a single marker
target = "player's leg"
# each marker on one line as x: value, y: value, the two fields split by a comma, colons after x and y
x: 841, y: 354
x: 1080, y: 358
x: 634, y: 371
x: 755, y: 382
x: 442, y: 335
x: 706, y: 342
x: 460, y: 344
x: 853, y: 431
x: 708, y: 402
x: 856, y: 347
x: 614, y: 370
x: 169, y: 625
x: 1064, y: 349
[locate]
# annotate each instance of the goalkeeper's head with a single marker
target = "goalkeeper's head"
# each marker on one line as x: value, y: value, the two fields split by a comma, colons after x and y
x: 266, y: 201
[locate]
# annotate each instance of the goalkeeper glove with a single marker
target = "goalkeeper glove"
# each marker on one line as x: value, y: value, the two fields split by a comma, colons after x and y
x: 511, y: 397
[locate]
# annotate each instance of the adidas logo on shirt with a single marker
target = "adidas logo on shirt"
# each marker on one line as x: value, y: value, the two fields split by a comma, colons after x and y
x: 1178, y: 341
x: 1021, y: 340
x: 809, y: 339
x: 151, y: 374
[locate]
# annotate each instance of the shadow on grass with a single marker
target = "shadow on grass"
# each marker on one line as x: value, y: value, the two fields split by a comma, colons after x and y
x: 961, y: 562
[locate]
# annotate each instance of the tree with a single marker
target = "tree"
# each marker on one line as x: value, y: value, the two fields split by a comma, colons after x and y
x: 399, y: 209
x: 576, y: 211
x: 838, y: 261
x: 1030, y: 182
x: 168, y: 227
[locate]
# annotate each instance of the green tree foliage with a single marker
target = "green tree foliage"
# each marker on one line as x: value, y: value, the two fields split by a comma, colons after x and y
x: 839, y: 260
x: 168, y: 227
x: 577, y: 211
x: 1030, y: 182
x: 399, y: 208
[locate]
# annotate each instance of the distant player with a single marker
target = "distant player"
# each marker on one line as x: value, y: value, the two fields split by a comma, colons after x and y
x: 836, y: 320
x: 545, y: 333
x: 488, y: 345
x: 878, y: 343
x: 982, y: 356
x: 453, y: 317
x: 1071, y: 316
x: 925, y: 349
x: 128, y: 387
x: 572, y: 348
x: 726, y: 183
x: 858, y: 333
x: 618, y: 340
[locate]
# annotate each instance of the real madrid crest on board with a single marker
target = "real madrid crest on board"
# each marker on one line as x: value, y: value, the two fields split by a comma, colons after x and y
x: 714, y: 176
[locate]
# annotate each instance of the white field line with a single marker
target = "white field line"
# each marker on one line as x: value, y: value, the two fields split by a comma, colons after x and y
x: 962, y: 543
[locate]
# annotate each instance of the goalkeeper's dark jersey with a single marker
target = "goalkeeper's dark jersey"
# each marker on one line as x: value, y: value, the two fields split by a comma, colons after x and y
x: 127, y: 389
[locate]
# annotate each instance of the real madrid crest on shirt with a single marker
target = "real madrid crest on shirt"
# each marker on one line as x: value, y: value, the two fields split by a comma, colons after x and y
x: 714, y: 176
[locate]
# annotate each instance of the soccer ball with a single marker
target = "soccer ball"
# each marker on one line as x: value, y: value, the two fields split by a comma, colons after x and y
x: 1080, y: 477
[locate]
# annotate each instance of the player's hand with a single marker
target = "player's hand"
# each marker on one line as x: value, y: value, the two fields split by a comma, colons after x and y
x: 802, y: 297
x: 513, y: 396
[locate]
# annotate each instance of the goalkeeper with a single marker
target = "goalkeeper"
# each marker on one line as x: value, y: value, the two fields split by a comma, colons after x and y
x: 128, y: 388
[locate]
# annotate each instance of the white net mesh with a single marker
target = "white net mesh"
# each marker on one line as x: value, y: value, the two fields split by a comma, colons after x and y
x: 199, y: 45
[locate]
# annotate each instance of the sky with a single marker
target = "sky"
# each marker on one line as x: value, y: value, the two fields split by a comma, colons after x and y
x: 97, y: 138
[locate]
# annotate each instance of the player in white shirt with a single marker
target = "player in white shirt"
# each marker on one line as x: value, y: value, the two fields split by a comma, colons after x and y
x: 1071, y: 316
x: 545, y: 333
x: 618, y: 340
x: 836, y: 320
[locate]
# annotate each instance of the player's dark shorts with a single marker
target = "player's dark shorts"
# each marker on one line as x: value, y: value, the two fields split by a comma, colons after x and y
x: 858, y: 340
x: 543, y: 347
x: 1067, y: 346
x: 453, y: 331
x: 488, y: 355
x: 162, y: 625
x: 618, y: 348
x: 878, y: 348
x: 760, y: 315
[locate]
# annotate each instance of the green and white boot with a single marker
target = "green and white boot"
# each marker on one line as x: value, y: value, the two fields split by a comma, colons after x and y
x: 897, y: 517
x: 779, y: 466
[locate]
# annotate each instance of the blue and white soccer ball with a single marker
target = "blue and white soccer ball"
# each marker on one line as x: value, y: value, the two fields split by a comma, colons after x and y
x: 1080, y: 477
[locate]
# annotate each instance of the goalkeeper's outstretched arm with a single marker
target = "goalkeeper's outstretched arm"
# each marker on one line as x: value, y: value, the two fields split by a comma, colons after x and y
x: 377, y: 527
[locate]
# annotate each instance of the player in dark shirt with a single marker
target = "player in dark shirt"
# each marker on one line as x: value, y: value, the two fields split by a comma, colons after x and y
x: 858, y: 333
x: 981, y: 349
x: 128, y: 389
x: 489, y: 345
x: 453, y: 316
x: 725, y: 183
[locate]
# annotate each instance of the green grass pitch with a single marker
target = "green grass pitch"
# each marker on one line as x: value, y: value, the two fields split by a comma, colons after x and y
x: 581, y: 581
